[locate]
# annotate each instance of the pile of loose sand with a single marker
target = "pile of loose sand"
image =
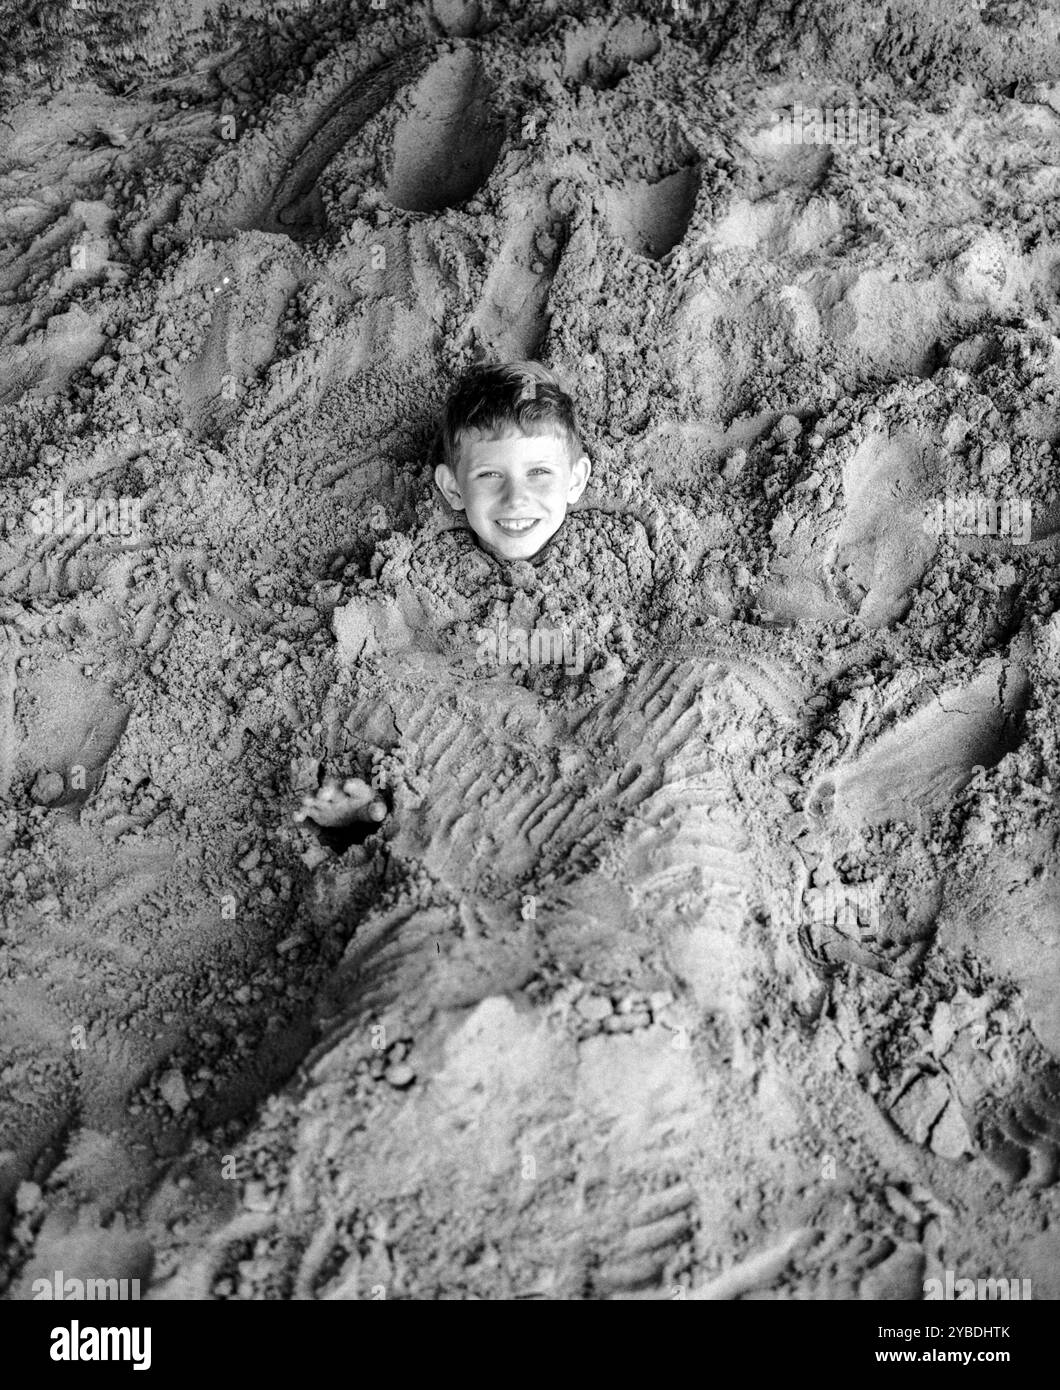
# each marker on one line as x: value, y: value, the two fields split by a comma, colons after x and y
x: 717, y: 954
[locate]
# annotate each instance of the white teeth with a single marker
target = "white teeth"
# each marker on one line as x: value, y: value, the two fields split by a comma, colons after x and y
x: 521, y: 525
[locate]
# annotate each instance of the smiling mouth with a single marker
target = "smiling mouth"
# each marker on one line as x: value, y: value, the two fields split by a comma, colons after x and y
x: 517, y: 526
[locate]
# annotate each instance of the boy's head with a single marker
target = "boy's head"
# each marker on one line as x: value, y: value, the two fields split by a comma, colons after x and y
x: 512, y: 458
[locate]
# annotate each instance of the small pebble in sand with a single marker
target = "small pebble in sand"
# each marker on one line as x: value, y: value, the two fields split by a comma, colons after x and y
x: 174, y: 1091
x: 611, y: 674
x: 47, y: 788
x: 27, y: 1197
x: 734, y: 465
x: 594, y: 1007
x: 256, y: 1197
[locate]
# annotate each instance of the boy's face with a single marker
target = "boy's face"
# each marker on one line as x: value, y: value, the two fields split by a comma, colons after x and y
x: 515, y: 490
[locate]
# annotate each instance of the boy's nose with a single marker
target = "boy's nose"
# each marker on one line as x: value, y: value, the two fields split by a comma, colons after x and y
x: 514, y: 491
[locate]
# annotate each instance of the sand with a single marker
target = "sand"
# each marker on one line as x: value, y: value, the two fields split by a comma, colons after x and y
x: 710, y: 949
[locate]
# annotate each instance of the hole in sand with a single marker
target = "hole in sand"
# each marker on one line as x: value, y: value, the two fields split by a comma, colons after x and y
x: 445, y: 148
x: 339, y: 838
x: 651, y: 218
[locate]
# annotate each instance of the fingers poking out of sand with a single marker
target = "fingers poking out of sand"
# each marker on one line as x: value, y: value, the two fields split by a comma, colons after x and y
x: 336, y: 804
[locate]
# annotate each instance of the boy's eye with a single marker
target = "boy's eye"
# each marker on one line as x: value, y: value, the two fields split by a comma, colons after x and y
x: 495, y: 473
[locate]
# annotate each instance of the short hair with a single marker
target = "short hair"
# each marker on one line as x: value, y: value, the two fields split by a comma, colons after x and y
x: 502, y: 398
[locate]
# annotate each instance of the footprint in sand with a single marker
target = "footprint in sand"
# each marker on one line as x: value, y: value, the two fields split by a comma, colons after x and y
x: 652, y: 216
x: 923, y: 762
x: 446, y: 144
x: 600, y: 54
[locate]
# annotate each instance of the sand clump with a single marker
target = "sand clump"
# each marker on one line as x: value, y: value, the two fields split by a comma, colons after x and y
x: 710, y: 943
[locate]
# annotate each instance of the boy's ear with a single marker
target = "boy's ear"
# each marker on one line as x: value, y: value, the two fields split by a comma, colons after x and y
x: 579, y: 476
x: 446, y: 482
